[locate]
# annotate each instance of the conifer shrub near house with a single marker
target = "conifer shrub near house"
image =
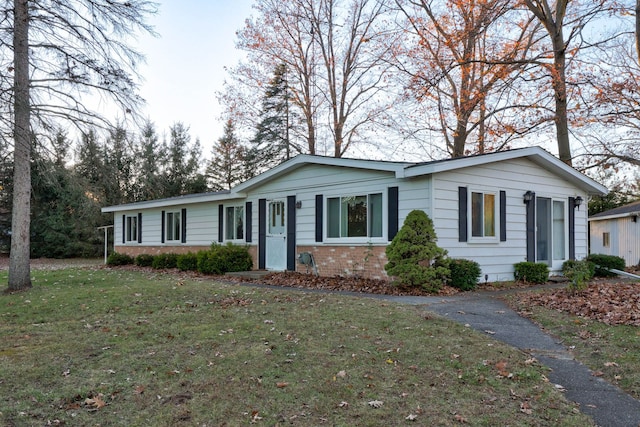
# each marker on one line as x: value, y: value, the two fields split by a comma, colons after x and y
x: 187, y: 262
x: 532, y: 272
x: 578, y: 273
x: 414, y: 258
x: 144, y: 260
x: 162, y: 261
x: 222, y: 259
x: 604, y: 262
x: 116, y: 259
x: 465, y: 274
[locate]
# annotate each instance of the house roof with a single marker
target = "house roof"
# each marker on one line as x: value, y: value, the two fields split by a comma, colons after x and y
x: 170, y: 201
x: 399, y: 169
x: 631, y: 209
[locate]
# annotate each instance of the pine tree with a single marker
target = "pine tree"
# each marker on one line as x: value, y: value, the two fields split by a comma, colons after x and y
x: 182, y: 175
x: 151, y: 161
x: 226, y: 169
x: 271, y: 144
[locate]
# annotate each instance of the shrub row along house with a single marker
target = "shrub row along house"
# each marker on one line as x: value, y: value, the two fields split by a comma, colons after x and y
x: 497, y: 209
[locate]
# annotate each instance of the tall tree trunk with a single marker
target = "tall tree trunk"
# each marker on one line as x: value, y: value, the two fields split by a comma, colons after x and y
x: 558, y: 77
x: 638, y: 29
x: 19, y: 264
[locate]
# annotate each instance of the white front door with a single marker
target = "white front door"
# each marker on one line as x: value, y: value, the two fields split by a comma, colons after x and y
x: 276, y: 244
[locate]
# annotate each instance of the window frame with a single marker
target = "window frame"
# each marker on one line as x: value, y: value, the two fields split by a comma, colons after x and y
x: 606, y: 239
x: 129, y: 237
x: 178, y: 230
x: 496, y: 216
x: 234, y: 225
x: 342, y: 199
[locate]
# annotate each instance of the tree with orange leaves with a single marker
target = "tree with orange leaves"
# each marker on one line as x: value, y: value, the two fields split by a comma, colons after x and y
x: 463, y: 62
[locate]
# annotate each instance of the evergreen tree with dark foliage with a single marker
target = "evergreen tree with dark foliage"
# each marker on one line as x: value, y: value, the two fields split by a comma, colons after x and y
x: 181, y: 175
x: 227, y: 168
x: 271, y: 144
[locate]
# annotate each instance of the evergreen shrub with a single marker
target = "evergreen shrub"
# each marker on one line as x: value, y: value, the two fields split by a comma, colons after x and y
x: 414, y: 258
x: 602, y: 262
x: 578, y: 273
x: 465, y: 274
x: 116, y: 259
x: 144, y: 260
x: 532, y: 272
x: 162, y: 261
x: 222, y: 259
x: 188, y: 262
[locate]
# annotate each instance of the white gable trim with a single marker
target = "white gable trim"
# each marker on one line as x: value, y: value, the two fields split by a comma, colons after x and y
x: 536, y: 154
x: 173, y: 201
x: 305, y: 159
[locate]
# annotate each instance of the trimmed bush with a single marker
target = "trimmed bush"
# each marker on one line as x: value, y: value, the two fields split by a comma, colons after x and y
x: 464, y: 274
x: 532, y: 272
x: 415, y: 259
x: 222, y: 259
x: 116, y: 259
x: 606, y: 261
x: 144, y: 260
x: 187, y: 262
x: 579, y: 273
x: 162, y: 261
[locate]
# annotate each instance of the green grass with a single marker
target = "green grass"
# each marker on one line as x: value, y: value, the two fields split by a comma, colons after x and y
x: 610, y: 351
x: 115, y: 347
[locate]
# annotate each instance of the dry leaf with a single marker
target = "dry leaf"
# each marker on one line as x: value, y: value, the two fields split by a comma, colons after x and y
x: 376, y: 403
x: 460, y: 419
x: 411, y: 417
x: 341, y: 374
x: 525, y: 408
x: 281, y: 384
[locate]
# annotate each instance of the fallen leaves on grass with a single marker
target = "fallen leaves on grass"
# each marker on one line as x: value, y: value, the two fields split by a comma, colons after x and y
x: 612, y: 303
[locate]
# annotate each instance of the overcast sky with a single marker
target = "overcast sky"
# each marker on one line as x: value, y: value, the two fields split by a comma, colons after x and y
x: 185, y: 63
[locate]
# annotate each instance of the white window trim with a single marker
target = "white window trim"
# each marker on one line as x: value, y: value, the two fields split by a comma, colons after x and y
x: 496, y: 216
x: 128, y: 220
x: 166, y: 227
x: 361, y: 239
x: 244, y: 225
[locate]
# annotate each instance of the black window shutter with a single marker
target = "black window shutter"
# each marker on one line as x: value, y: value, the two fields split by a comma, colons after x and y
x: 462, y: 214
x: 319, y: 216
x: 162, y: 226
x: 531, y: 229
x: 220, y: 223
x: 183, y: 217
x: 392, y: 227
x: 572, y: 229
x: 139, y: 227
x: 291, y: 233
x: 503, y: 216
x: 247, y: 222
x: 124, y: 229
x: 262, y: 233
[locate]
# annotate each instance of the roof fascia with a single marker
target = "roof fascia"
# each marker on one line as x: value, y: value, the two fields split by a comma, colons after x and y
x: 535, y: 154
x: 173, y: 201
x: 398, y: 168
x: 615, y: 216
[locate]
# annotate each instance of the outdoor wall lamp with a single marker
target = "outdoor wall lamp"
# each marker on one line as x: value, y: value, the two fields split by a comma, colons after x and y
x: 298, y: 204
x: 577, y: 202
x: 528, y: 196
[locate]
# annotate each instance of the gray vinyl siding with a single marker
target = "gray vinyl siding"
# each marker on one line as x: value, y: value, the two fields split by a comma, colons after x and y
x: 624, y: 238
x: 515, y: 178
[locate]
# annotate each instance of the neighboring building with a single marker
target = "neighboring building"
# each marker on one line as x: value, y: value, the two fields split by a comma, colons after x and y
x: 497, y: 209
x: 617, y: 232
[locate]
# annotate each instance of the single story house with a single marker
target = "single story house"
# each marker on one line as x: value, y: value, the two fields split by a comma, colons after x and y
x: 617, y: 232
x: 497, y: 209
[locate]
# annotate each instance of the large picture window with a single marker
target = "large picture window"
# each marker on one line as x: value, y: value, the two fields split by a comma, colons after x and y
x: 132, y: 228
x: 234, y: 223
x: 354, y: 216
x: 483, y: 214
x: 173, y: 226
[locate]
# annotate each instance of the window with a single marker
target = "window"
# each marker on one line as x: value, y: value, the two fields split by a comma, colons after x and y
x: 355, y: 216
x: 483, y: 214
x: 173, y: 225
x: 234, y: 223
x: 606, y: 240
x: 132, y: 229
